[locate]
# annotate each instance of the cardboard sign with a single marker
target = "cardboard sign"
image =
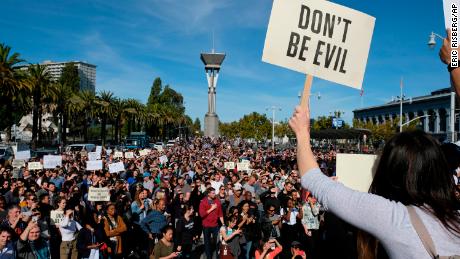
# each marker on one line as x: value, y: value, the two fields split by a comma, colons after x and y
x: 98, y: 194
x: 448, y: 6
x: 118, y: 154
x: 94, y: 165
x: 144, y: 152
x: 51, y: 161
x: 356, y: 170
x: 319, y: 38
x: 242, y: 166
x: 129, y: 154
x: 229, y: 165
x: 18, y: 163
x: 34, y: 166
x: 23, y: 155
x: 56, y: 217
x: 163, y: 159
x: 93, y: 156
x: 116, y: 167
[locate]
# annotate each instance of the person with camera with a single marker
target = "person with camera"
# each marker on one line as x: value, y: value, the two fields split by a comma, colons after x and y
x: 269, y: 249
x: 69, y: 229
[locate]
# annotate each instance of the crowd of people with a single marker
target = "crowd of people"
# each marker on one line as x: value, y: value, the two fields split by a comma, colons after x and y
x: 186, y: 207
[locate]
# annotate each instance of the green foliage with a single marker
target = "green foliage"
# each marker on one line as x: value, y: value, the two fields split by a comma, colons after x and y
x: 155, y: 92
x: 253, y: 125
x: 282, y: 129
x: 383, y: 131
x: 70, y: 77
x: 323, y: 122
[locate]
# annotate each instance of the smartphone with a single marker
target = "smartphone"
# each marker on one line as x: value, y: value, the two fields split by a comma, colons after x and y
x: 272, y: 246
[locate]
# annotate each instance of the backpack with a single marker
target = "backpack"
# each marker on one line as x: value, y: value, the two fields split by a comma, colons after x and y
x: 424, y: 236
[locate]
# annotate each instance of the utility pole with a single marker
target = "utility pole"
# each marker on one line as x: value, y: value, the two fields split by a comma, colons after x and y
x: 273, y: 109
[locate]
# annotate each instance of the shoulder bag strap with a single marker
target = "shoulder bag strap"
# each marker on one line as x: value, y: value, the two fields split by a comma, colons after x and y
x: 422, y: 232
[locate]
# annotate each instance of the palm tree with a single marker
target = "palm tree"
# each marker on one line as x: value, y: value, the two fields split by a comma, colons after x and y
x: 38, y: 78
x: 88, y: 101
x: 119, y: 110
x: 132, y: 110
x: 12, y: 84
x: 105, y: 101
x: 61, y: 95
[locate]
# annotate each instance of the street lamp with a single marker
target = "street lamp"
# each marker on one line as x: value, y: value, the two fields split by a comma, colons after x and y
x: 317, y: 94
x: 273, y: 108
x: 432, y: 39
x: 431, y: 45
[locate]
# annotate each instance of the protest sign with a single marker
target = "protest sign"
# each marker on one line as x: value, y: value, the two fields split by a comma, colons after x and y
x: 23, y: 155
x: 99, y: 150
x: 116, y: 167
x: 18, y: 163
x: 108, y: 151
x: 51, y: 161
x: 144, y: 152
x: 93, y: 156
x: 129, y: 154
x: 94, y: 165
x: 34, y: 166
x: 98, y: 194
x: 319, y: 38
x: 229, y: 165
x: 56, y: 217
x: 356, y: 170
x: 242, y: 166
x: 163, y: 159
x: 118, y: 154
x: 245, y: 161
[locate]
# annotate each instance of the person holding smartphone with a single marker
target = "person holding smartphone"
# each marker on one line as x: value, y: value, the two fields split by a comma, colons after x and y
x: 69, y: 229
x: 89, y: 241
x: 269, y: 249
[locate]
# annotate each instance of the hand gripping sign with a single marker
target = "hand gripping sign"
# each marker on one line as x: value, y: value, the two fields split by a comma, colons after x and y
x: 319, y: 38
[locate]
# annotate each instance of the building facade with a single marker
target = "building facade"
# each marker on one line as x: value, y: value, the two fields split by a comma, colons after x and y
x: 431, y: 111
x: 86, y: 71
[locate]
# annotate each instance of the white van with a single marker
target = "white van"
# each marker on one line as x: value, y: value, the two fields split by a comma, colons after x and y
x: 80, y: 147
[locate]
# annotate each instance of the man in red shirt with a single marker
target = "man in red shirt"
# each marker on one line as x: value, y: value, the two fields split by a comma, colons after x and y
x: 210, y: 212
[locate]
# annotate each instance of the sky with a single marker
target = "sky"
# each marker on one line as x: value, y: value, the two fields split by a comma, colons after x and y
x: 133, y: 42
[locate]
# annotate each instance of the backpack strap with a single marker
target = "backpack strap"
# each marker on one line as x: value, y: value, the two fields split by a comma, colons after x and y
x: 422, y: 232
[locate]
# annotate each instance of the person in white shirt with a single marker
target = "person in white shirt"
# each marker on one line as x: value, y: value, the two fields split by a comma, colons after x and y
x: 69, y: 228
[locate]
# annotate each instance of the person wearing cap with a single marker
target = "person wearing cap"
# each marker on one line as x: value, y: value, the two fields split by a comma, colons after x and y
x: 296, y: 250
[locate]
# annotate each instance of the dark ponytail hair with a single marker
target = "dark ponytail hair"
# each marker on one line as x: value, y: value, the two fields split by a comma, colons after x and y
x: 413, y: 170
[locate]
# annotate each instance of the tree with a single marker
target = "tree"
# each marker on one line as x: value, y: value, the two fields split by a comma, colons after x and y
x: 283, y: 129
x: 38, y: 78
x: 155, y: 91
x: 12, y: 86
x: 105, y: 100
x: 62, y: 94
x: 253, y: 125
x: 196, y: 126
x: 70, y: 77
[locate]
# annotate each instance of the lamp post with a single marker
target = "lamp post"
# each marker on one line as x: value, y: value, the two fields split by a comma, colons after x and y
x: 431, y: 45
x: 273, y: 109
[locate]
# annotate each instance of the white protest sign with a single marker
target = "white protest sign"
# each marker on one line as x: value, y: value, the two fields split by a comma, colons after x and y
x: 99, y: 150
x: 229, y: 165
x: 242, y: 166
x: 108, y: 151
x: 34, y: 166
x: 118, y: 154
x: 129, y: 154
x: 94, y: 165
x: 51, y: 161
x: 56, y: 217
x: 451, y: 13
x: 116, y: 167
x: 319, y: 38
x: 144, y: 152
x: 163, y: 159
x: 93, y: 156
x: 245, y: 161
x: 98, y: 194
x: 356, y: 170
x: 18, y: 163
x: 23, y: 155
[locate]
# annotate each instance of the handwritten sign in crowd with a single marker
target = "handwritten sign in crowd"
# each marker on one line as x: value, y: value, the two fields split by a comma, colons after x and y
x: 98, y: 194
